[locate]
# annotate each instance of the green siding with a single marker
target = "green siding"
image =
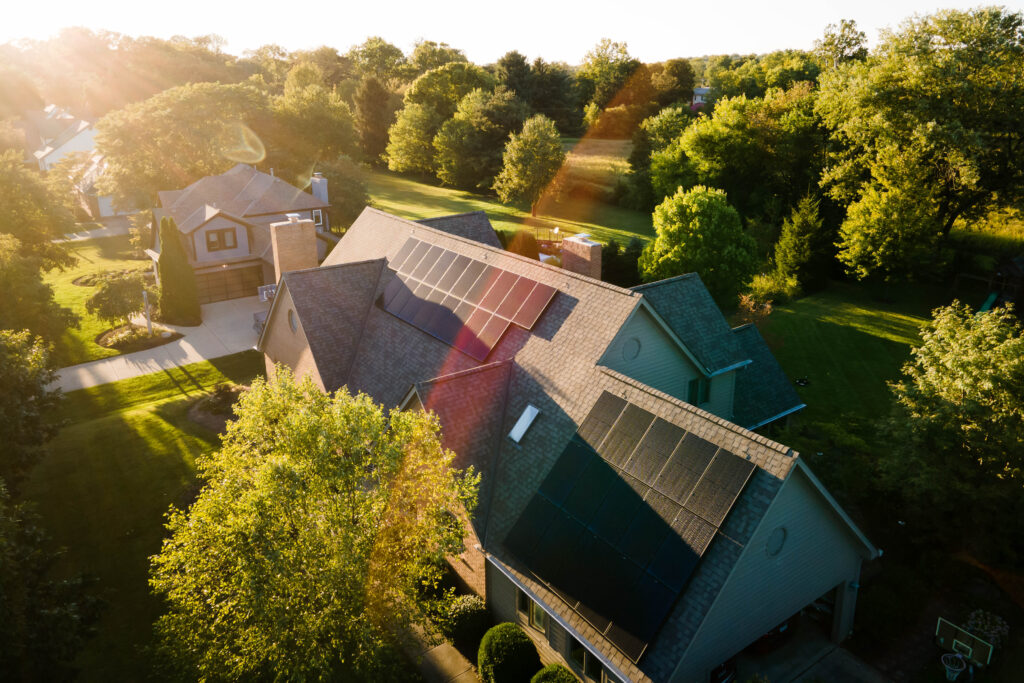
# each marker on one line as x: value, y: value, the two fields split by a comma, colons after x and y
x: 660, y: 363
x: 819, y: 553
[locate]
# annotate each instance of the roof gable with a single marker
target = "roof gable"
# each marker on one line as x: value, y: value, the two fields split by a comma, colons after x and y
x: 473, y: 226
x: 763, y: 392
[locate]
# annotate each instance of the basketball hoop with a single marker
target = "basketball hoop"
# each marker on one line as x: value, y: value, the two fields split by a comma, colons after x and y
x: 954, y: 664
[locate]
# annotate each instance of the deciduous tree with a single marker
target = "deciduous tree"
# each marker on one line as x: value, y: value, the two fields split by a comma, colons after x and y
x: 606, y: 69
x: 842, y: 42
x: 27, y: 301
x: 117, y: 297
x: 699, y: 232
x: 531, y: 160
x: 411, y: 139
x: 31, y: 212
x: 427, y: 55
x: 303, y: 557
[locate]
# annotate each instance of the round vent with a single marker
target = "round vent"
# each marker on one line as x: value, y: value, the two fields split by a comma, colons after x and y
x: 631, y: 349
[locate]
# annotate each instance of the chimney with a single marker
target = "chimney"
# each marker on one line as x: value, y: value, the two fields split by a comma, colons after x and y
x: 294, y: 244
x: 582, y: 255
x: 318, y: 187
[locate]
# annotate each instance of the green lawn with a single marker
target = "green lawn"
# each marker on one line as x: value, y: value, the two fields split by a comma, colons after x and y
x: 127, y: 452
x: 94, y: 256
x: 596, y: 160
x: 408, y: 198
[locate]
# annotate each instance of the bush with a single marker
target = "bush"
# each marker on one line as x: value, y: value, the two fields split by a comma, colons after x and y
x: 507, y: 655
x: 773, y: 287
x: 554, y: 673
x: 464, y: 619
x: 524, y: 244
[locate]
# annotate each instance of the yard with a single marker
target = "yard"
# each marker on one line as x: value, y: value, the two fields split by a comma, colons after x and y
x: 127, y: 453
x: 94, y: 256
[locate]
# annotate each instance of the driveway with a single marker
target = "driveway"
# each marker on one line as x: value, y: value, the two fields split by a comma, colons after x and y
x: 117, y: 225
x: 226, y: 329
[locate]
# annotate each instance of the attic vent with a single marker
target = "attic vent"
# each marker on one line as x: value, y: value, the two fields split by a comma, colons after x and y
x: 523, y: 423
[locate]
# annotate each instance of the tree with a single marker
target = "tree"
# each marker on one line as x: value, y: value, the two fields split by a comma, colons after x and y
x: 923, y: 102
x: 373, y: 116
x: 176, y: 138
x: 30, y: 212
x: 804, y: 249
x: 841, y: 43
x: 606, y: 68
x: 753, y: 75
x: 555, y: 94
x: 957, y: 432
x: 27, y: 301
x: 346, y: 183
x: 26, y: 403
x: 507, y: 655
x: 312, y: 123
x: 698, y: 231
x: 427, y: 55
x: 674, y: 82
x: 335, y: 510
x: 378, y: 58
x: 117, y: 298
x: 469, y: 145
x: 411, y: 139
x: 43, y: 621
x: 531, y: 161
x: 179, y: 300
x: 513, y: 71
x: 443, y: 88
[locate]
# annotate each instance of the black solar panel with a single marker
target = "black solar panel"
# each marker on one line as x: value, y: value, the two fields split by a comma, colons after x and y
x: 531, y: 526
x: 493, y: 331
x: 439, y: 269
x: 654, y: 450
x: 674, y: 562
x: 716, y: 492
x: 468, y: 278
x: 458, y: 267
x: 503, y: 284
x: 539, y: 298
x: 616, y: 512
x: 624, y: 436
x: 409, y: 264
x: 591, y: 486
x: 644, y: 536
x: 685, y: 468
x: 427, y: 262
x: 598, y: 423
x: 483, y: 284
x: 403, y: 253
x: 566, y: 470
x: 516, y: 297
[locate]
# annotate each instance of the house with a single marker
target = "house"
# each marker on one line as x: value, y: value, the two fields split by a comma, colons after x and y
x: 624, y: 518
x: 54, y: 133
x: 701, y: 96
x: 224, y: 222
x: 100, y: 207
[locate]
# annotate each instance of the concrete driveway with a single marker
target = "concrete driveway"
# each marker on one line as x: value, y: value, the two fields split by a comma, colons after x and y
x: 227, y: 328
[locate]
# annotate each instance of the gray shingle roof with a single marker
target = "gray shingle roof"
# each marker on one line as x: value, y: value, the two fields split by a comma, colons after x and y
x: 763, y: 392
x: 685, y: 305
x: 473, y: 226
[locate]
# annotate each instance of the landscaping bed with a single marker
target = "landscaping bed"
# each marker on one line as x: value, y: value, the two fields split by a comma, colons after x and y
x: 130, y: 337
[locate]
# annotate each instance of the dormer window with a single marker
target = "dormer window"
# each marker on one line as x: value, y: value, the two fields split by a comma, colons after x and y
x: 219, y: 240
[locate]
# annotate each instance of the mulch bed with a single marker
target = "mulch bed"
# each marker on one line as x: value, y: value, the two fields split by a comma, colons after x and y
x: 214, y: 410
x: 130, y: 338
x: 93, y: 279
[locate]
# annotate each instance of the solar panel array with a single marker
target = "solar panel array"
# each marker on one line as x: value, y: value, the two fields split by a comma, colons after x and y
x: 619, y: 524
x: 463, y: 302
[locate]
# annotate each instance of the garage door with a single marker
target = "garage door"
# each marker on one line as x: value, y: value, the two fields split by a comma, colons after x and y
x: 228, y: 284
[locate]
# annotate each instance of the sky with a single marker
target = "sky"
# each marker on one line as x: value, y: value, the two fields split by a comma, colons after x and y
x: 557, y: 31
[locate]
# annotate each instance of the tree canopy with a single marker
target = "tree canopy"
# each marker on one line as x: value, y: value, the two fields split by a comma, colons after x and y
x: 27, y: 301
x: 605, y: 70
x: 698, y: 231
x: 179, y: 301
x: 530, y: 162
x: 31, y: 212
x: 305, y: 554
x: 443, y: 88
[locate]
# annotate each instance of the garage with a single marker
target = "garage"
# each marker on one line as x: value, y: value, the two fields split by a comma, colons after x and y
x: 226, y: 283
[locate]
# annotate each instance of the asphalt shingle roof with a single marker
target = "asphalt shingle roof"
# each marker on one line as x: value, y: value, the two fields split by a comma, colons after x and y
x: 685, y: 305
x: 763, y: 392
x: 473, y: 226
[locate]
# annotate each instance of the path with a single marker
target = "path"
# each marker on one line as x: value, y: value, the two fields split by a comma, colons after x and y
x: 227, y: 328
x: 440, y: 663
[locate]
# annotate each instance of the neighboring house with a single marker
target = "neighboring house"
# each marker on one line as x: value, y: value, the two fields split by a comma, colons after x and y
x: 634, y: 530
x: 98, y: 206
x: 701, y: 96
x: 224, y: 222
x: 58, y: 133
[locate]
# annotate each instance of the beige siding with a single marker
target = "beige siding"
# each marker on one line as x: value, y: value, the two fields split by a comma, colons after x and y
x: 282, y: 345
x: 644, y: 351
x: 220, y: 223
x: 819, y: 553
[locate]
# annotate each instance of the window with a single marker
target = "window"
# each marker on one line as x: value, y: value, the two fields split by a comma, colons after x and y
x: 293, y: 322
x: 219, y: 240
x: 532, y: 611
x: 584, y: 662
x: 523, y: 603
x: 318, y: 217
x: 699, y: 391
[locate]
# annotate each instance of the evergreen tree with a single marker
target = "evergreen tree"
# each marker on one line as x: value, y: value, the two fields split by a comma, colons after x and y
x: 179, y: 301
x: 373, y: 117
x: 803, y: 250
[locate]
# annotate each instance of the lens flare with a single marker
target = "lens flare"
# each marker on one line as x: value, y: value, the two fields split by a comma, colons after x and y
x: 246, y: 148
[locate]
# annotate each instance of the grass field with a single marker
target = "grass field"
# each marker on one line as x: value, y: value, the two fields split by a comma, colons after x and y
x: 597, y: 161
x: 94, y: 256
x: 127, y: 453
x: 408, y: 198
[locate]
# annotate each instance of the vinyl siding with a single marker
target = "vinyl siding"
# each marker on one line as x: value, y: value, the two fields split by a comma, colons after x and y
x: 819, y: 553
x: 661, y: 364
x: 220, y: 223
x: 282, y: 345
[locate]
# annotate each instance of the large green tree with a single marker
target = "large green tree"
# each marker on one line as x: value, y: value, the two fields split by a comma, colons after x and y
x: 427, y: 55
x: 179, y: 301
x: 957, y: 432
x: 443, y: 88
x: 530, y: 162
x: 31, y: 212
x: 605, y: 70
x: 470, y: 144
x: 378, y: 58
x: 410, y: 147
x: 554, y: 93
x: 117, y: 297
x: 178, y: 137
x: 936, y: 112
x: 842, y: 42
x: 698, y: 231
x: 27, y: 302
x: 804, y: 250
x: 305, y: 554
x: 373, y: 117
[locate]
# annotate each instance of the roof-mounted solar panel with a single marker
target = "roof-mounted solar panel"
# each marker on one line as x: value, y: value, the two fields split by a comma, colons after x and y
x: 403, y: 253
x: 409, y: 264
x: 538, y: 299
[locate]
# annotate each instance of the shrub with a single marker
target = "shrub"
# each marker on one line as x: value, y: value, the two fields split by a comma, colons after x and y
x: 773, y: 287
x: 464, y: 619
x: 507, y: 655
x: 987, y: 626
x: 118, y: 297
x: 554, y: 673
x: 524, y: 244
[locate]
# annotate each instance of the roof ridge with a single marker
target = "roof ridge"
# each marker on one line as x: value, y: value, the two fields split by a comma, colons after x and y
x: 721, y: 422
x: 525, y: 259
x: 468, y: 371
x: 453, y: 215
x: 366, y: 314
x: 333, y: 265
x: 665, y: 281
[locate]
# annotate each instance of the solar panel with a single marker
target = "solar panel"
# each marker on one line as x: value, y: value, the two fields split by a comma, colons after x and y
x: 604, y: 413
x: 409, y: 264
x: 440, y: 267
x: 563, y: 532
x: 654, y: 450
x: 493, y: 331
x: 665, y: 507
x: 391, y: 291
x: 539, y: 298
x: 674, y: 562
x: 458, y: 267
x: 717, y: 490
x: 567, y: 469
x: 427, y: 262
x: 630, y: 645
x: 503, y: 284
x: 685, y: 468
x: 531, y: 525
x: 644, y: 536
x: 516, y: 297
x: 591, y: 486
x: 624, y: 436
x: 483, y: 283
x: 616, y: 512
x: 468, y: 278
x: 403, y: 253
x: 696, y: 532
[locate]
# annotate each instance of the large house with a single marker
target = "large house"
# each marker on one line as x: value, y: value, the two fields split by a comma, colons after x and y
x: 224, y: 222
x: 625, y: 519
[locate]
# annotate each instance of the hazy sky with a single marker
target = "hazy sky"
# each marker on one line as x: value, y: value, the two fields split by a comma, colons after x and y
x: 556, y: 31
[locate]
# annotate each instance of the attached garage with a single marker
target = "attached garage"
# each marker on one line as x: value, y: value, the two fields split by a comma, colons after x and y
x: 228, y: 283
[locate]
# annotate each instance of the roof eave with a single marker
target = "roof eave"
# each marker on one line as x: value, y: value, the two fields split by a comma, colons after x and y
x: 781, y: 415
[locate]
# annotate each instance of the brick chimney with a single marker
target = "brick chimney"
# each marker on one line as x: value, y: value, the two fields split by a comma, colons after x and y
x: 318, y: 187
x: 582, y: 255
x: 294, y: 244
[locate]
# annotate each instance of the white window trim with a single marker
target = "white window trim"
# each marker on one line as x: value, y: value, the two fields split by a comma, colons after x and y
x: 318, y: 217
